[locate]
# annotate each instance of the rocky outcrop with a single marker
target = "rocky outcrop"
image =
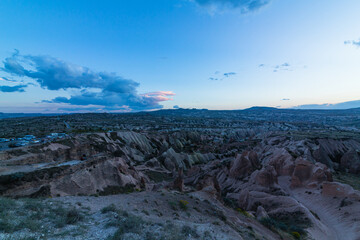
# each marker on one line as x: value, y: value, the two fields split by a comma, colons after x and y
x: 244, y: 165
x: 106, y: 177
x: 309, y: 174
x: 100, y: 176
x: 350, y: 162
x: 334, y: 189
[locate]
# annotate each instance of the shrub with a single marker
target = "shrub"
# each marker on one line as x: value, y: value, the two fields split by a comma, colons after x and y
x: 131, y: 224
x: 73, y: 216
x: 296, y: 235
x: 243, y: 212
x: 187, y: 230
x: 110, y: 208
x: 173, y: 205
x: 183, y: 204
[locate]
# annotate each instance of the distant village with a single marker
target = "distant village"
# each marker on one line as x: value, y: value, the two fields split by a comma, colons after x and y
x: 29, y: 139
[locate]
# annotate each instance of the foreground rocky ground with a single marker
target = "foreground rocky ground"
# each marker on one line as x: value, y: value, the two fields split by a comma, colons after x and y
x: 249, y: 183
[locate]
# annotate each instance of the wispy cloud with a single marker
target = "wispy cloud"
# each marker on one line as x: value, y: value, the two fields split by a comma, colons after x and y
x: 285, y: 99
x: 279, y: 67
x: 94, y: 88
x: 6, y: 79
x: 282, y: 67
x: 245, y: 6
x: 229, y: 74
x: 218, y: 76
x: 352, y: 42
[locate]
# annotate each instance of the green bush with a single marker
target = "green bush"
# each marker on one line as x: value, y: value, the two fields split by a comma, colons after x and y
x: 110, y: 208
x: 296, y: 235
x: 183, y: 204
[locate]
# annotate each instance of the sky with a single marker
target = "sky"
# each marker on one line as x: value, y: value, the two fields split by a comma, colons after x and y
x: 123, y: 56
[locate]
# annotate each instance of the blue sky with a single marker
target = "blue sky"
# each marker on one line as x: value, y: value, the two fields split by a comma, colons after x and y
x: 143, y: 55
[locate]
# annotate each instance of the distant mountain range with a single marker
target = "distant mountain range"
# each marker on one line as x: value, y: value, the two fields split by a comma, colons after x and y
x: 16, y: 115
x: 344, y: 106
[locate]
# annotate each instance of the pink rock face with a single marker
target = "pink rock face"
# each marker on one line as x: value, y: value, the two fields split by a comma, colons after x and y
x: 261, y: 213
x: 266, y: 177
x: 321, y: 173
x: 302, y: 172
x: 244, y: 165
x: 334, y: 189
x: 350, y: 161
x: 282, y: 161
x: 97, y: 178
x: 306, y: 173
x: 209, y: 185
x: 178, y: 183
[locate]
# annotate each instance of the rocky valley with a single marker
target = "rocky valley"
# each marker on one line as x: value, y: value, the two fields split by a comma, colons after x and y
x: 184, y: 174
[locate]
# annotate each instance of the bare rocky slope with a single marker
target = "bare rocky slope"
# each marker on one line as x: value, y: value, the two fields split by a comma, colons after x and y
x: 262, y: 186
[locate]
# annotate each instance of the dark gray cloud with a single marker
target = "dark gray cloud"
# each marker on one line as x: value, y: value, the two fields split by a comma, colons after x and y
x: 343, y: 105
x: 352, y: 42
x: 17, y: 88
x: 244, y: 6
x: 112, y: 91
x: 55, y: 74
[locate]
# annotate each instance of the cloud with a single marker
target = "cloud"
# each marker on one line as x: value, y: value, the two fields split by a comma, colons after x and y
x: 245, y: 6
x: 176, y: 106
x: 280, y: 67
x: 342, y: 105
x: 229, y: 74
x: 285, y: 99
x: 353, y: 42
x: 6, y: 79
x: 17, y: 88
x: 94, y: 88
x: 218, y: 76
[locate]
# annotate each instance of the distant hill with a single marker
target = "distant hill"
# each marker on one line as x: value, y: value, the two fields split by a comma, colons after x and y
x: 21, y: 115
x: 260, y: 108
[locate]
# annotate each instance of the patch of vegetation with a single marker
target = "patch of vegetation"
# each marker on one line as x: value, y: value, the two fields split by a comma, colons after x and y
x: 173, y: 205
x: 183, y: 204
x: 36, y: 215
x: 110, y: 208
x: 243, y: 212
x: 112, y: 190
x: 73, y: 216
x: 158, y: 176
x: 140, y: 229
x: 348, y: 178
x: 189, y: 231
x: 295, y: 230
x: 130, y: 224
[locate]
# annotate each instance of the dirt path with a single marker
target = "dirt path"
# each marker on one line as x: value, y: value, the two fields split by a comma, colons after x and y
x: 335, y: 223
